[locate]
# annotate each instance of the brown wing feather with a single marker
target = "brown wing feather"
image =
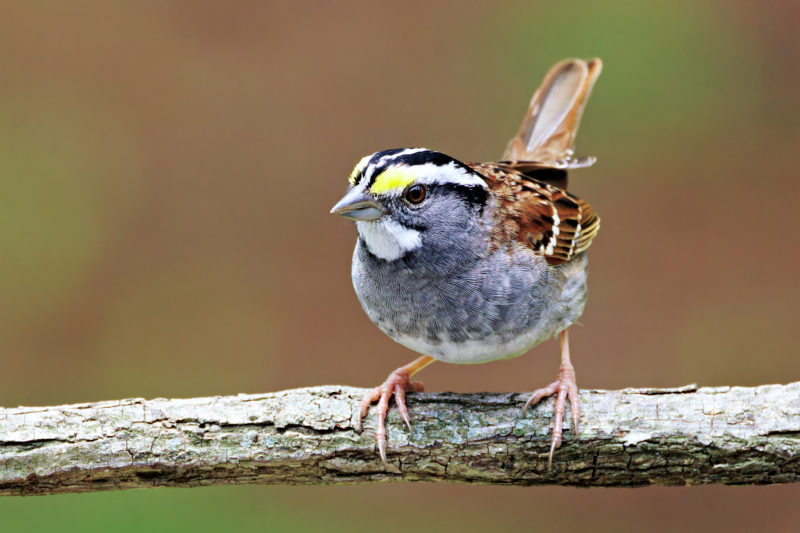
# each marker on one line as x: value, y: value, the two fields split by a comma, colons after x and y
x: 554, y: 223
x: 530, y: 185
x: 547, y: 133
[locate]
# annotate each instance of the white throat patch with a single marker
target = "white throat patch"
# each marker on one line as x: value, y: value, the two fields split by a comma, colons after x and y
x: 387, y: 239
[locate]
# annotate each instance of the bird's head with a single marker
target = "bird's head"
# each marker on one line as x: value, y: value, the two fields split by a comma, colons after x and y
x: 402, y: 197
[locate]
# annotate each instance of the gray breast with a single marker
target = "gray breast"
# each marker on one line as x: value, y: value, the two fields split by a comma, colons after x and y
x: 469, y: 308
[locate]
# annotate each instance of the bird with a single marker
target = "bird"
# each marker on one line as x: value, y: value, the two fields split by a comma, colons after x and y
x: 476, y: 262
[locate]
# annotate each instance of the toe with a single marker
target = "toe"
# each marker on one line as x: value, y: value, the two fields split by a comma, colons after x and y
x: 382, y: 450
x: 575, y: 408
x: 400, y: 399
x: 380, y: 431
x: 539, y: 394
x: 363, y: 406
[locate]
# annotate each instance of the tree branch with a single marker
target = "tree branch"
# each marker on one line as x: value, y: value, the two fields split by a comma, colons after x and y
x: 629, y: 438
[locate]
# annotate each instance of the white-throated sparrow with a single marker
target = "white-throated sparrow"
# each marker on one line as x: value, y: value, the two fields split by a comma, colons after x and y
x: 475, y: 262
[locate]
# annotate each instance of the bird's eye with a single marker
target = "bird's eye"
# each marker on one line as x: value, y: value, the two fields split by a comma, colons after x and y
x: 415, y: 194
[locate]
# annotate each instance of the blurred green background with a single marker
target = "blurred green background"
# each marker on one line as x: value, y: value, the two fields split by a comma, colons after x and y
x: 166, y: 172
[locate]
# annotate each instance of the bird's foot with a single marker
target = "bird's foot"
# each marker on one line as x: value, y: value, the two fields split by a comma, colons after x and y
x: 397, y: 384
x: 565, y: 387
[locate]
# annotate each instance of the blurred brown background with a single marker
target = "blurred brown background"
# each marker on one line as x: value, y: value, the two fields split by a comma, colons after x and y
x: 167, y: 168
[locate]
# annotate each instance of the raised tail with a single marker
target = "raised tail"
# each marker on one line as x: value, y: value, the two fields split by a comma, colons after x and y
x: 547, y: 133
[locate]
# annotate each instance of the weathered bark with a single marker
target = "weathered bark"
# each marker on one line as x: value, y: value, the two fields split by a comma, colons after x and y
x: 628, y: 438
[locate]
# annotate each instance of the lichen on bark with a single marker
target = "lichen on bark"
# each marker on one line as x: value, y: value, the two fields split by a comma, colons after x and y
x: 628, y: 438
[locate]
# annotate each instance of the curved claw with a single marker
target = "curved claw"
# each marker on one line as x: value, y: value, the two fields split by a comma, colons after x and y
x: 553, y: 447
x: 400, y: 399
x: 539, y: 394
x: 382, y: 450
x: 407, y: 420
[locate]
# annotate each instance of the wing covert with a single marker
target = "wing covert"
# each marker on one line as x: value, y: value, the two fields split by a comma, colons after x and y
x: 554, y: 223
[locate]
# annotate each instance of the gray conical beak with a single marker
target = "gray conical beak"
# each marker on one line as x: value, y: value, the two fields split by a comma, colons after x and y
x: 358, y: 206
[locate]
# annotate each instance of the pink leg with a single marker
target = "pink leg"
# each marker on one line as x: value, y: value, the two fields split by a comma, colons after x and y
x: 397, y: 384
x: 566, y: 387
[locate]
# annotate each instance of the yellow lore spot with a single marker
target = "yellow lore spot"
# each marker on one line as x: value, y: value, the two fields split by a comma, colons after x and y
x: 359, y: 169
x: 392, y: 179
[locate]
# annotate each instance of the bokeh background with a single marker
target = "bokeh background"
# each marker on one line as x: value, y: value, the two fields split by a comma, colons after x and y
x: 167, y: 168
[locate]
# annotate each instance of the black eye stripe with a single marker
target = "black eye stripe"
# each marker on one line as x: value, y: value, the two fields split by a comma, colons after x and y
x: 477, y: 196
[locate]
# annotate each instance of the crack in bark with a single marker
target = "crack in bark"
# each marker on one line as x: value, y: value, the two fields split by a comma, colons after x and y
x: 628, y: 438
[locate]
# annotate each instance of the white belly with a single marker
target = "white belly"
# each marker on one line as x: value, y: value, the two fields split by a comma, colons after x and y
x: 473, y: 352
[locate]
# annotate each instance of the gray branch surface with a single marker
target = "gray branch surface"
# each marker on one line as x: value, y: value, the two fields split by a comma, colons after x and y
x: 628, y: 438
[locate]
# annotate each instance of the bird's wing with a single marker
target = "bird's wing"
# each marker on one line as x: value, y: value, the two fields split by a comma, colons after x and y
x: 554, y: 223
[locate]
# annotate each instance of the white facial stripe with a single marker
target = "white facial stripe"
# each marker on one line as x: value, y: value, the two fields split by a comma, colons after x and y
x: 430, y: 174
x: 407, y: 151
x: 368, y: 173
x: 387, y: 239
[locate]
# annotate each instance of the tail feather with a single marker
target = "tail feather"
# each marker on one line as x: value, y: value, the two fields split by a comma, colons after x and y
x: 547, y: 133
